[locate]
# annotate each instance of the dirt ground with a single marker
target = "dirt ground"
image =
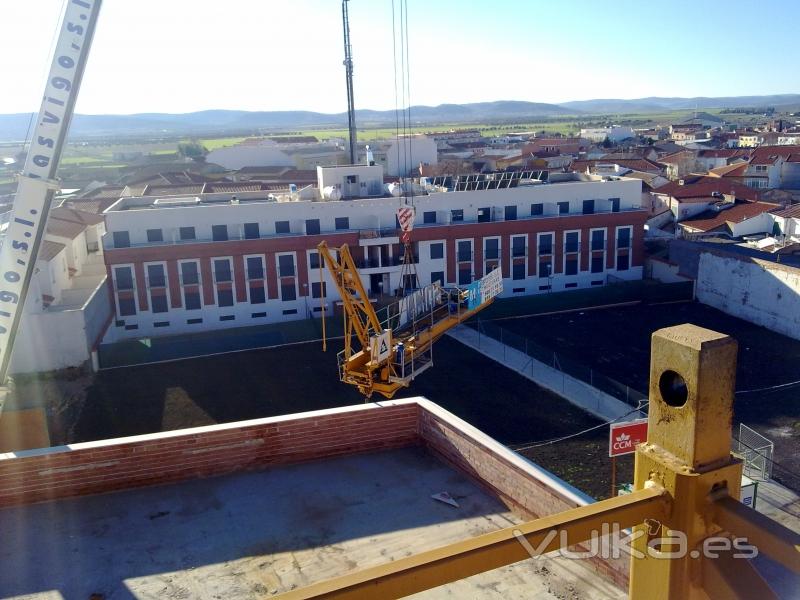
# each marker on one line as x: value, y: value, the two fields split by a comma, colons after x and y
x: 616, y: 342
x: 245, y: 385
x: 261, y: 383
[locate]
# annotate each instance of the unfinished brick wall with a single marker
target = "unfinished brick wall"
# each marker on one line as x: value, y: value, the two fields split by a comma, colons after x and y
x: 96, y: 467
x: 513, y: 484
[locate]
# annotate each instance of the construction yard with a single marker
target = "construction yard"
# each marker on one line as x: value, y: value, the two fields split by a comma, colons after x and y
x: 295, y: 378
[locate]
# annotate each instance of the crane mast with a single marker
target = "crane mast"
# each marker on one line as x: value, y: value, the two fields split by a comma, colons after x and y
x: 37, y: 184
x: 348, y: 70
x: 385, y: 355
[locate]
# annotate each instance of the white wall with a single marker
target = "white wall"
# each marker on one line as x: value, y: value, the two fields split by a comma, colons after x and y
x: 260, y: 155
x: 758, y: 291
x: 405, y: 154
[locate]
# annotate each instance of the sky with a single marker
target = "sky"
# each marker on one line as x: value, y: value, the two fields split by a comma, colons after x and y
x: 186, y: 55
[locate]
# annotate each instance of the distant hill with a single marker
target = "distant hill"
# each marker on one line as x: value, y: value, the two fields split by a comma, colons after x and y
x: 15, y: 126
x: 657, y: 104
x: 209, y: 122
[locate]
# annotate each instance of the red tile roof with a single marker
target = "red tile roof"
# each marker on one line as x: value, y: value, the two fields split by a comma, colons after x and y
x: 707, y: 187
x: 788, y: 212
x: 49, y: 250
x: 741, y: 211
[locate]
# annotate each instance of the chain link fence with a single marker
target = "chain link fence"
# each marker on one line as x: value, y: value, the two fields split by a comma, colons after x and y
x: 561, y: 363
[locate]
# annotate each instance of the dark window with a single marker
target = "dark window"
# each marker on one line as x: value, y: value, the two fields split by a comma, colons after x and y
x: 597, y: 282
x: 624, y: 238
x: 122, y: 239
x: 257, y: 294
x: 588, y: 207
x: 313, y: 260
x: 155, y: 276
x: 281, y: 226
x: 492, y: 249
x: 258, y: 315
x: 545, y: 268
x: 288, y: 292
x: 286, y: 265
x: 614, y: 204
x: 161, y: 324
x: 563, y: 208
x: 518, y: 271
x: 546, y: 244
x: 155, y: 235
x: 464, y: 251
x: 544, y: 288
x: 227, y: 318
x: 437, y: 276
x: 437, y: 250
x: 484, y: 215
x: 219, y: 233
x: 518, y: 290
x: 119, y: 323
x: 597, y: 264
x: 598, y: 240
x: 464, y: 276
x: 571, y: 243
x: 518, y: 246
x: 255, y: 267
x: 315, y: 289
x: 622, y: 262
x: 127, y: 307
x: 225, y: 297
x: 192, y: 300
x: 570, y: 285
x: 571, y: 266
x: 124, y: 277
x: 251, y: 231
x: 342, y: 222
x: 159, y: 303
x: 537, y: 209
x: 129, y: 327
x: 222, y: 270
x: 312, y: 226
x: 189, y: 273
x: 193, y: 321
x: 429, y: 216
x: 457, y: 215
x: 187, y: 233
x: 511, y: 213
x: 290, y: 311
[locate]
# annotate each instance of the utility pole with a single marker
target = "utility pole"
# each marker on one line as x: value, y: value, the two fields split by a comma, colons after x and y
x: 348, y: 69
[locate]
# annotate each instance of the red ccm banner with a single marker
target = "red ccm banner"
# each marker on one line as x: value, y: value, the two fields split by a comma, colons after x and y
x: 623, y: 437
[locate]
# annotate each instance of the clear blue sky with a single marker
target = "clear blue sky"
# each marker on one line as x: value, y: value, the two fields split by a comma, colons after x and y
x: 186, y: 55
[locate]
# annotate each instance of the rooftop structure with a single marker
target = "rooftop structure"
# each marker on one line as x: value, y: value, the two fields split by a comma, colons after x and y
x: 272, y: 524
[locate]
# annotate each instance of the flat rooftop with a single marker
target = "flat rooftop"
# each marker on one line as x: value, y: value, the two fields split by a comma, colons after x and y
x: 255, y: 534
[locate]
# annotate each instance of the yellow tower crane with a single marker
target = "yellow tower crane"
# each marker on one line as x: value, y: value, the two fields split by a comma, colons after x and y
x: 388, y: 354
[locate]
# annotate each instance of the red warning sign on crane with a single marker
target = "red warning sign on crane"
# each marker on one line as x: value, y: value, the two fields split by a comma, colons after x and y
x: 405, y: 218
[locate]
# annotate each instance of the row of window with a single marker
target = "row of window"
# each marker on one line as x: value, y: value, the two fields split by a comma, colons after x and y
x: 510, y: 212
x: 220, y: 233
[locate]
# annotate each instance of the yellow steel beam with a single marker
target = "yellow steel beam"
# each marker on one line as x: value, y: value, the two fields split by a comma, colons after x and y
x: 456, y: 561
x: 773, y: 539
x: 729, y: 577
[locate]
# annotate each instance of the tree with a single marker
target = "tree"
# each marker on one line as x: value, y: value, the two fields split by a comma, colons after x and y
x: 194, y: 150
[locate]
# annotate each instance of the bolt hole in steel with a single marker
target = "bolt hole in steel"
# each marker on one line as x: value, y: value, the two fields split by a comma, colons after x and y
x: 673, y: 388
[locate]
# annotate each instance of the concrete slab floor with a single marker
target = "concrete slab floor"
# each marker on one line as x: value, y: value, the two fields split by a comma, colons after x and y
x: 258, y: 533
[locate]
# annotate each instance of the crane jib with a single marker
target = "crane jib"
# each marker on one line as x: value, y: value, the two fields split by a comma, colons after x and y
x: 37, y: 181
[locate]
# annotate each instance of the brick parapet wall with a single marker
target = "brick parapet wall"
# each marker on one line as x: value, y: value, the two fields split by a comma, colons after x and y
x: 525, y: 488
x: 109, y: 465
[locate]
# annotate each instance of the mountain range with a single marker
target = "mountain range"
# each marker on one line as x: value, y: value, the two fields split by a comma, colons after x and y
x: 15, y: 126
